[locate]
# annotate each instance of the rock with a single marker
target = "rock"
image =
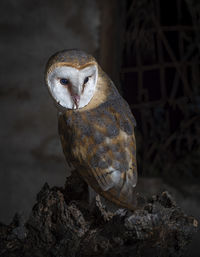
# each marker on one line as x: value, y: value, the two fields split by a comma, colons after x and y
x: 63, y: 223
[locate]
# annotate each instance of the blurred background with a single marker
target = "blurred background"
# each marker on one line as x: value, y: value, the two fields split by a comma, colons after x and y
x: 151, y: 50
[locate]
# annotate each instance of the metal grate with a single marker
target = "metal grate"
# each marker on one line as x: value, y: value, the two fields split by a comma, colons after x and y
x: 161, y: 82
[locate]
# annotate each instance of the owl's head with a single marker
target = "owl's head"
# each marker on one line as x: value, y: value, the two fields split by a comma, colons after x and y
x: 71, y: 77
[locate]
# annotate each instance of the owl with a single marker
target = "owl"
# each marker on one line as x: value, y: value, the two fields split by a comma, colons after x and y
x: 95, y: 124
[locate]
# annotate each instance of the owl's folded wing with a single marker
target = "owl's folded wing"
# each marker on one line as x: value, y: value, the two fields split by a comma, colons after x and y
x: 114, y: 162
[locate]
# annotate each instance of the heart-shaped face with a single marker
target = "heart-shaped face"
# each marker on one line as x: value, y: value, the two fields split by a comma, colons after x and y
x: 70, y: 87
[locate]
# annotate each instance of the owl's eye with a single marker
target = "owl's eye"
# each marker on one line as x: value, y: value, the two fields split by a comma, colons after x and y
x: 64, y: 81
x: 86, y: 80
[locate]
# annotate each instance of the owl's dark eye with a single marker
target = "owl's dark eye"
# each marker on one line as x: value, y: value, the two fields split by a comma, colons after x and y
x: 64, y: 81
x: 86, y: 80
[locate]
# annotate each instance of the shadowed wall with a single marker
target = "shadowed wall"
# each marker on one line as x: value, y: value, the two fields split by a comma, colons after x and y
x: 30, y: 149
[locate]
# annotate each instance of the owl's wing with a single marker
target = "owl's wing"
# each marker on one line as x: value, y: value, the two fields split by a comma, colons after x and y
x: 114, y: 162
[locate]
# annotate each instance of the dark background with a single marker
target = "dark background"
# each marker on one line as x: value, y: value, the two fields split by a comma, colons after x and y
x: 150, y: 49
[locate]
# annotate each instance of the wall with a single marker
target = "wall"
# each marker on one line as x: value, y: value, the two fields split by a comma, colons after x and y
x: 30, y: 149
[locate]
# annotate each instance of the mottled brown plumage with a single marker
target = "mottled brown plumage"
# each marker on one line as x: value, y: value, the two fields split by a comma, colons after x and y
x: 98, y: 139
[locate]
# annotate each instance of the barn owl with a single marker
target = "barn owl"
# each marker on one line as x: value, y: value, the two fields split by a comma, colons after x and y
x: 95, y: 124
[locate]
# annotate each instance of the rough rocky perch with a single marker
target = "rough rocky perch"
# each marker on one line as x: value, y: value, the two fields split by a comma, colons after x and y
x: 63, y: 224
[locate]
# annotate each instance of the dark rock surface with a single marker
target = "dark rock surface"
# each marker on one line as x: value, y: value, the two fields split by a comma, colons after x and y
x: 62, y: 223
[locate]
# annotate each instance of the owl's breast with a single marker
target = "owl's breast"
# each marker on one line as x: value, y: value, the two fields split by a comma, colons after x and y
x: 75, y: 137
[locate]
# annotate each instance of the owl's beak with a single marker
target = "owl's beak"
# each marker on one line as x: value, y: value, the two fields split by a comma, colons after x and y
x: 76, y: 99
